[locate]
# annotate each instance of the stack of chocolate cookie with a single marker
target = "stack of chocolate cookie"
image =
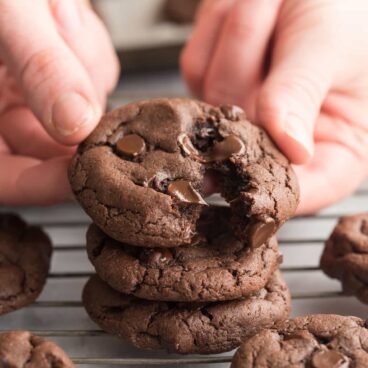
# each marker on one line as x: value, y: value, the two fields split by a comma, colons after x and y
x: 173, y: 272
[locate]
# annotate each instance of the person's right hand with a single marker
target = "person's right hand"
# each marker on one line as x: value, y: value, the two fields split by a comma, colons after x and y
x: 299, y: 68
x: 57, y: 65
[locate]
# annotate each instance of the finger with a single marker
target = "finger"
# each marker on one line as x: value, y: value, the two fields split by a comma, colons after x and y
x: 90, y: 42
x: 197, y: 53
x: 301, y: 73
x: 25, y: 136
x: 237, y: 64
x: 33, y: 182
x: 323, y: 181
x: 4, y: 148
x: 56, y: 86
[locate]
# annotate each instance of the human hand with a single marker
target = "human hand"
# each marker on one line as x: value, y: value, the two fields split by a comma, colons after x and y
x: 57, y: 66
x: 299, y: 68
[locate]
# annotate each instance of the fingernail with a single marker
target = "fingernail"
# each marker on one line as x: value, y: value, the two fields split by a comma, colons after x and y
x: 70, y: 113
x: 295, y: 128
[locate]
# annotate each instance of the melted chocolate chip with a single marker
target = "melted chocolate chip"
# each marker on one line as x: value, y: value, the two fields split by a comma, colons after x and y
x: 220, y: 151
x: 131, y: 145
x: 186, y: 145
x: 223, y: 150
x: 261, y: 232
x: 329, y: 359
x: 157, y: 257
x: 183, y: 190
x: 233, y: 113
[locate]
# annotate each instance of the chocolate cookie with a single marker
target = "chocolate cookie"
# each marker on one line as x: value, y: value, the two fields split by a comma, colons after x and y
x: 185, y: 327
x: 216, y: 267
x: 345, y: 256
x: 21, y: 349
x: 139, y: 174
x: 180, y: 11
x: 317, y: 341
x: 25, y: 253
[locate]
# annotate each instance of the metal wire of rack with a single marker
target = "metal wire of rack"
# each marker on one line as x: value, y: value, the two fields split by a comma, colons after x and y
x: 315, y: 292
x: 58, y: 313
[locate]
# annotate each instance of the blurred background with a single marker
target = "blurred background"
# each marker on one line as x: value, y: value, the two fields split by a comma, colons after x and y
x: 148, y: 36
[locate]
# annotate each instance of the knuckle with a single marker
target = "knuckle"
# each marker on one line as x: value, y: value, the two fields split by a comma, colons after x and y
x: 241, y: 28
x: 39, y: 68
x: 305, y: 86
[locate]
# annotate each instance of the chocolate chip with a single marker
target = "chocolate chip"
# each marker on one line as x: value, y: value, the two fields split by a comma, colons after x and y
x: 131, y: 145
x: 186, y: 145
x: 329, y: 359
x: 233, y: 113
x: 261, y: 232
x: 156, y: 257
x: 183, y: 190
x: 223, y: 150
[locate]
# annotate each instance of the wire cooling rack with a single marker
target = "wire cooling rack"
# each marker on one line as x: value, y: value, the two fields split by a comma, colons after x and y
x: 59, y: 315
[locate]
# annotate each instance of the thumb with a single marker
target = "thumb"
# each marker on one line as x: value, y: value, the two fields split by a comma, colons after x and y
x: 54, y: 83
x: 291, y: 97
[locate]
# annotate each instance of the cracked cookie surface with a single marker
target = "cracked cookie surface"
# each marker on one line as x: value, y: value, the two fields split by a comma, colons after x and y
x: 21, y: 349
x: 315, y: 341
x: 185, y: 327
x: 345, y: 256
x: 216, y: 267
x: 139, y: 175
x: 25, y: 253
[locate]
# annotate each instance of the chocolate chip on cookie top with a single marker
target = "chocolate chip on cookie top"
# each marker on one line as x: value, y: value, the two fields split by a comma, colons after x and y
x: 345, y: 256
x: 215, y: 267
x: 139, y: 175
x: 21, y: 349
x: 184, y: 328
x: 25, y: 253
x: 316, y: 341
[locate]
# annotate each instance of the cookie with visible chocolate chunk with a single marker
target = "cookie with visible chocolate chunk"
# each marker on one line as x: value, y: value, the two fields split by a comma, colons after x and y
x: 215, y: 267
x: 315, y: 341
x: 25, y: 253
x: 185, y: 327
x: 139, y: 175
x: 345, y: 256
x: 21, y: 349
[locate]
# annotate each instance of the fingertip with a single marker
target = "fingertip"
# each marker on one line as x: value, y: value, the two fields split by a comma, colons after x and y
x: 299, y: 145
x: 73, y: 117
x: 298, y: 153
x: 290, y: 132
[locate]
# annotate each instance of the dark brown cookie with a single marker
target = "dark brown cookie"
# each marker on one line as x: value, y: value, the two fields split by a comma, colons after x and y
x: 180, y: 11
x: 21, y: 349
x: 345, y: 256
x: 25, y: 253
x: 317, y: 341
x: 217, y: 267
x: 139, y: 174
x: 185, y: 327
